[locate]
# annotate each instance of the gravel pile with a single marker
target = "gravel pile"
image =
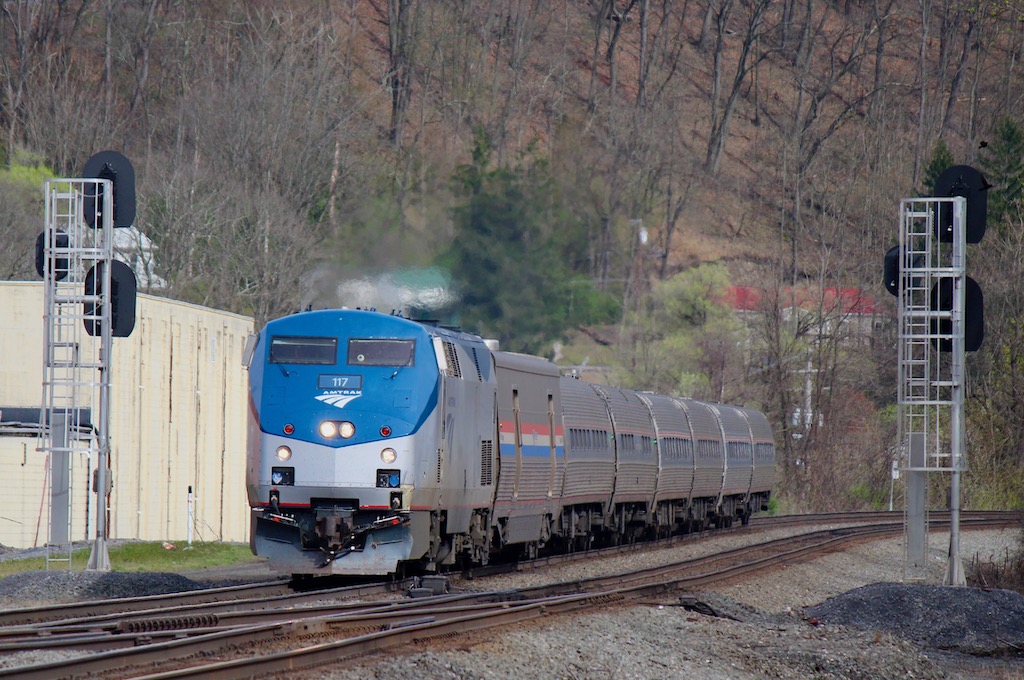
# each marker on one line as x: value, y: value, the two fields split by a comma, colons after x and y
x: 984, y: 622
x: 52, y: 586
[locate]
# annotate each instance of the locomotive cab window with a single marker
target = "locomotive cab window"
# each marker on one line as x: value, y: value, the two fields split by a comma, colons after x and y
x: 378, y: 352
x: 297, y: 350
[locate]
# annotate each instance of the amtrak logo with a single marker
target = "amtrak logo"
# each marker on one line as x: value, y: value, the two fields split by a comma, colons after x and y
x: 339, y: 400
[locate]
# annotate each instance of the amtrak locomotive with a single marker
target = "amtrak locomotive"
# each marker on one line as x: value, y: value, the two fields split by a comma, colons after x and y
x: 377, y: 444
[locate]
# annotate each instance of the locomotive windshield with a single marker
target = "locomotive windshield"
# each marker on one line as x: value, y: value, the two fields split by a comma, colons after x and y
x: 378, y: 352
x: 295, y: 350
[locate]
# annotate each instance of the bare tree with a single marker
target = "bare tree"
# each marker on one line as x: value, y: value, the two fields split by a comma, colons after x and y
x: 524, y: 23
x: 237, y: 206
x: 922, y: 75
x: 42, y: 39
x: 600, y: 18
x: 997, y: 371
x: 618, y: 19
x: 722, y: 112
x: 141, y: 54
x: 881, y: 15
x: 953, y: 18
x: 401, y: 61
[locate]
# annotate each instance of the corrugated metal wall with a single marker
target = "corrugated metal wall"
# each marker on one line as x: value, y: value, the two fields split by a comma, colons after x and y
x: 178, y: 419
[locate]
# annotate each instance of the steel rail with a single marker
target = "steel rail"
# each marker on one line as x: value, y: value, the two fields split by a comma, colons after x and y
x: 95, y: 614
x: 91, y: 608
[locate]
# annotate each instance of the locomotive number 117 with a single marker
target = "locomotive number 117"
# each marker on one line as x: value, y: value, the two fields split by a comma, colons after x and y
x: 340, y: 382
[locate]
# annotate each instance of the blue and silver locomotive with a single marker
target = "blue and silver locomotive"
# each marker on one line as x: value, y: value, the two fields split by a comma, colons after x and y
x: 378, y: 443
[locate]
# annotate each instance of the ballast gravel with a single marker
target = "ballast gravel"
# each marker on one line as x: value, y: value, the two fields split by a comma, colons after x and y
x: 749, y: 629
x: 54, y: 586
x: 844, y: 615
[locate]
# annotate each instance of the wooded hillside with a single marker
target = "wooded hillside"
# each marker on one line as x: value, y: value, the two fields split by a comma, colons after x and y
x: 611, y: 165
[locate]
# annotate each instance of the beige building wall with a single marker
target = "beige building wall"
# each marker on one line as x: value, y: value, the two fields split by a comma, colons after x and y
x: 25, y: 520
x: 178, y: 419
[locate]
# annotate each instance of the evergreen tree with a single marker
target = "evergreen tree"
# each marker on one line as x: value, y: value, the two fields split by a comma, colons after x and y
x: 506, y: 257
x: 1002, y: 163
x: 941, y: 159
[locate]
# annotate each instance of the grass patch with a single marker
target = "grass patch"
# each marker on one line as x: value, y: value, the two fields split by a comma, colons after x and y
x: 154, y: 557
x: 143, y: 556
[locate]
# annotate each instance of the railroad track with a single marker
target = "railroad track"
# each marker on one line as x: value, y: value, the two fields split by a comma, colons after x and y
x: 99, y: 608
x: 871, y: 516
x: 280, y: 634
x: 214, y: 600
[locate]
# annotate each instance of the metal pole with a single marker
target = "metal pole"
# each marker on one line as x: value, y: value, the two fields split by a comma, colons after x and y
x: 99, y: 559
x: 955, y: 569
x: 955, y: 572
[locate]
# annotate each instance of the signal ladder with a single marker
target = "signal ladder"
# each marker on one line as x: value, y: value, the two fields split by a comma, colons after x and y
x: 931, y: 356
x: 76, y: 375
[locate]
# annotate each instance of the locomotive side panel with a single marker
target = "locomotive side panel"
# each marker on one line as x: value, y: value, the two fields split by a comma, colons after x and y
x: 464, y: 459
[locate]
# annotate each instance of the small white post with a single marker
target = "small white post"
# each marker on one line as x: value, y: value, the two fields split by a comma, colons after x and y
x: 894, y: 474
x: 191, y: 516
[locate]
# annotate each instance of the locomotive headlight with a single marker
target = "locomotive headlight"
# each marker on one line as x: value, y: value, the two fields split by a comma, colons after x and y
x: 329, y: 429
x: 283, y: 453
x: 389, y: 456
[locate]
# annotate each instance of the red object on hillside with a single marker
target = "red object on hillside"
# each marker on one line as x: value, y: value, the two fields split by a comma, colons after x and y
x: 846, y: 300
